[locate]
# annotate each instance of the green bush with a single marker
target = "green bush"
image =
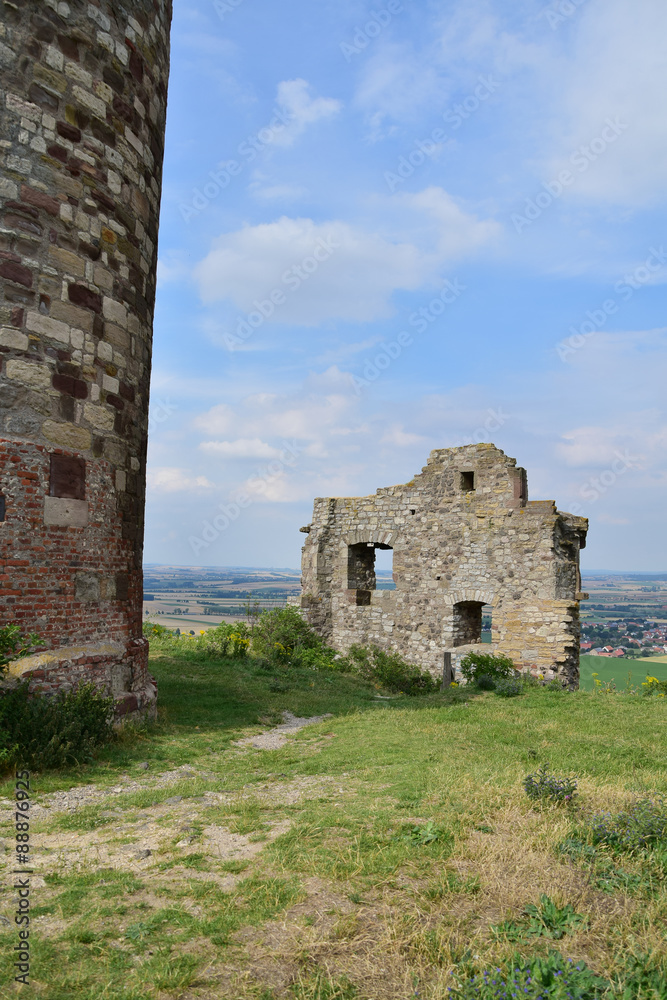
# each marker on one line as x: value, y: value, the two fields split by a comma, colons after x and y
x: 282, y: 632
x: 320, y: 658
x: 494, y: 665
x: 226, y: 639
x: 41, y: 732
x: 486, y: 683
x: 509, y: 687
x: 642, y: 825
x: 388, y: 669
x: 14, y: 644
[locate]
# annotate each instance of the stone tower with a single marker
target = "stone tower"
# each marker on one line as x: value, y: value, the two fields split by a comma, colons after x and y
x: 465, y: 538
x: 82, y: 108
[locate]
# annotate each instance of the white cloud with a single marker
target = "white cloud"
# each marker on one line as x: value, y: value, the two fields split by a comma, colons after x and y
x: 395, y: 82
x: 358, y: 269
x: 401, y: 439
x: 172, y: 267
x: 218, y: 420
x: 595, y: 446
x: 617, y: 69
x: 166, y: 479
x: 241, y: 448
x: 300, y: 110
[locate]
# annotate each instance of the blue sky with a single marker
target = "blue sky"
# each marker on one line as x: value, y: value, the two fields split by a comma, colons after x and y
x: 394, y: 226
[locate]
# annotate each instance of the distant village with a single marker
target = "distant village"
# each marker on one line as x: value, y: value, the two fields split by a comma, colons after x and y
x: 624, y: 638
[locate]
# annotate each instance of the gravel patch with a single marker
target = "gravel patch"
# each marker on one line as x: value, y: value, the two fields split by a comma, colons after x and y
x: 276, y: 738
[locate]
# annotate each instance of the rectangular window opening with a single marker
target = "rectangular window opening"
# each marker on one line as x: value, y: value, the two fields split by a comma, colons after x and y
x: 467, y: 623
x: 487, y: 622
x: 384, y: 568
x: 467, y: 482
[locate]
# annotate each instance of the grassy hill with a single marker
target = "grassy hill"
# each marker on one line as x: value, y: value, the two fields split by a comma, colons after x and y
x: 387, y: 852
x: 618, y: 670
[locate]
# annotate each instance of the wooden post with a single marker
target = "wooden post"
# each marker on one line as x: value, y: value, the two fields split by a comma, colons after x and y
x: 446, y: 671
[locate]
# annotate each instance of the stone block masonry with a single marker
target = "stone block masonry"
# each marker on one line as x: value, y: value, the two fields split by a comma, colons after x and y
x: 464, y: 535
x: 83, y: 92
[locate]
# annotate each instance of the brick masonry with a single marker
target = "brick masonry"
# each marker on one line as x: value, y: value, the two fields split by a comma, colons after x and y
x: 464, y: 534
x: 82, y: 115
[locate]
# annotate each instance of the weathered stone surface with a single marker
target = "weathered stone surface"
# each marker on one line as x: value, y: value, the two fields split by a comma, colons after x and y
x: 79, y: 184
x: 28, y: 373
x: 65, y: 513
x: 464, y: 535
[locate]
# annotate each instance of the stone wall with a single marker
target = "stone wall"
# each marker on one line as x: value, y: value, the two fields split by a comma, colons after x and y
x: 83, y: 91
x: 464, y: 535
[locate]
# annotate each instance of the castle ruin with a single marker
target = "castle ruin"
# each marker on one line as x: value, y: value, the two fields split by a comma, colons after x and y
x: 82, y: 115
x: 464, y: 535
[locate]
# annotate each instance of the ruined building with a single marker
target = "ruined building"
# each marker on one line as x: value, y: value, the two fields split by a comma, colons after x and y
x: 83, y: 91
x: 464, y: 535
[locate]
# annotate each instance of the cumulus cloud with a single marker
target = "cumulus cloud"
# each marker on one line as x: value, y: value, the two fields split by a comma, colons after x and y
x: 300, y: 110
x: 336, y: 270
x: 168, y: 479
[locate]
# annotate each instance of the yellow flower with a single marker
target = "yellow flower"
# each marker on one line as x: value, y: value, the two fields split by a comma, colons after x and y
x: 454, y: 684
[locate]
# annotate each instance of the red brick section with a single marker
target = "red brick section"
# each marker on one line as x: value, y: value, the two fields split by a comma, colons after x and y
x: 83, y: 90
x: 39, y: 567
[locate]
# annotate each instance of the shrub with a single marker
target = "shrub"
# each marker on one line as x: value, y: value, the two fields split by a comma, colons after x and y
x: 14, y: 644
x: 281, y: 632
x: 389, y: 669
x: 322, y: 658
x: 226, y: 639
x: 641, y: 825
x: 40, y: 732
x: 544, y: 784
x: 509, y: 687
x: 494, y: 665
x: 485, y: 682
x: 652, y: 686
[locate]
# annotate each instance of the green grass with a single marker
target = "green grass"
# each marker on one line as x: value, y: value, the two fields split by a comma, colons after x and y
x: 617, y: 670
x: 397, y: 838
